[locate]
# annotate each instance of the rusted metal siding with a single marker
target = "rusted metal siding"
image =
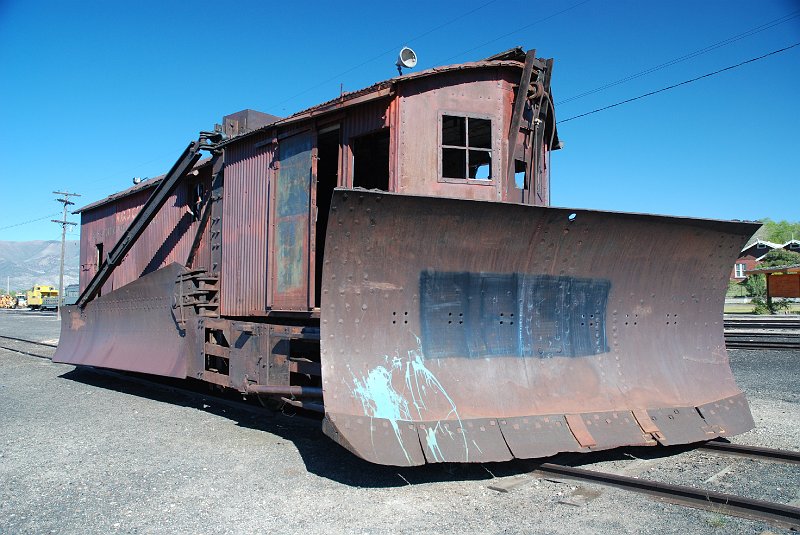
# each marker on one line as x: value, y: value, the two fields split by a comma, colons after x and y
x: 97, y: 226
x: 244, y: 271
x: 167, y: 239
x: 422, y: 102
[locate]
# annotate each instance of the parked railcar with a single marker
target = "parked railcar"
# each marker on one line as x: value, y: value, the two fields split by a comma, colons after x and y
x: 71, y: 293
x: 390, y: 258
x: 41, y: 297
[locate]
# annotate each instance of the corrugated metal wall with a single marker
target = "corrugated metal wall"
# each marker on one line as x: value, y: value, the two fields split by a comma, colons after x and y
x: 245, y: 227
x: 97, y: 226
x: 167, y: 239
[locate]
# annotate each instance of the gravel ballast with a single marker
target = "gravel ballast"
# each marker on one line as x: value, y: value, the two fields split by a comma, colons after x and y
x: 88, y: 452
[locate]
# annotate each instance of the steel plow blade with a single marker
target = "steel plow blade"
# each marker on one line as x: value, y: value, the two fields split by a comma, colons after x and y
x: 465, y: 331
x: 132, y: 328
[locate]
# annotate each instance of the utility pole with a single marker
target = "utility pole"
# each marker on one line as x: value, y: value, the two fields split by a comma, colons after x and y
x: 63, y: 222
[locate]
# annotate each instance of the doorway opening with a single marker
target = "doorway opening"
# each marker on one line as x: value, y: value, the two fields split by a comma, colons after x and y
x: 371, y: 161
x: 327, y: 179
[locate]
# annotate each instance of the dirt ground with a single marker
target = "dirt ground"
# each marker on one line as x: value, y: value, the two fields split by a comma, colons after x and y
x: 86, y: 452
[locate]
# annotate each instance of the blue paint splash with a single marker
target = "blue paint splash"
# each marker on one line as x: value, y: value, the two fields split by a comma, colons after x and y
x: 379, y: 398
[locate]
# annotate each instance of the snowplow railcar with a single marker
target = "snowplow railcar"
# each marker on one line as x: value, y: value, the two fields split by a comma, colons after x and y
x: 389, y: 258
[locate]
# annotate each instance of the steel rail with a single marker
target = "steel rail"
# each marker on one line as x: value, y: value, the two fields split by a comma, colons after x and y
x: 780, y: 515
x: 28, y: 341
x: 759, y: 342
x: 752, y: 452
x: 11, y: 347
x: 763, y: 322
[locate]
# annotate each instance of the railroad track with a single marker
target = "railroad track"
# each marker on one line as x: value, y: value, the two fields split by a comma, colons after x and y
x: 737, y: 340
x: 749, y: 321
x: 777, y: 514
x: 27, y: 347
x: 762, y: 332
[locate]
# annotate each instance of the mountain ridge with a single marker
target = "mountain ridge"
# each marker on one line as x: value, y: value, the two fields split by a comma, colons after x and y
x: 24, y: 264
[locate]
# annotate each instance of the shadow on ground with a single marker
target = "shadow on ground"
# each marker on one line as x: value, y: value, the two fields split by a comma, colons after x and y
x: 320, y: 454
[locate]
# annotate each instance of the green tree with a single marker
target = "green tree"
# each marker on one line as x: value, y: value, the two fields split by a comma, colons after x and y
x: 756, y: 285
x: 780, y: 231
x: 780, y: 257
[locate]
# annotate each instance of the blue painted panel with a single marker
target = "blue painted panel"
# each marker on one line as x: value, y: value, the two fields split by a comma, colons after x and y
x: 478, y: 315
x: 289, y: 253
x: 294, y: 179
x: 292, y: 204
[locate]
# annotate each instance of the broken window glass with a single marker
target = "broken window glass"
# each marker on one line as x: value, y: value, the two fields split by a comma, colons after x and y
x: 480, y: 164
x: 519, y: 174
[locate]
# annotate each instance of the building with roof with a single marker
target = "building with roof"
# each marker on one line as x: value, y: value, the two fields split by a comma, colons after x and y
x: 751, y: 254
x: 754, y: 252
x: 782, y: 281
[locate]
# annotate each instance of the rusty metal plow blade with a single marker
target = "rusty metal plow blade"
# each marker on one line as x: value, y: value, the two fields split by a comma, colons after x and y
x: 132, y: 328
x: 464, y: 331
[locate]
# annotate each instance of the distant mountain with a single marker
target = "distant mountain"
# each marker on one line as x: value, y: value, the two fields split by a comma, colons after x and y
x: 26, y: 263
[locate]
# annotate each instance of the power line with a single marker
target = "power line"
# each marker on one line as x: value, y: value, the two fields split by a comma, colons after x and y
x: 680, y: 84
x: 27, y: 222
x: 534, y: 23
x: 338, y: 76
x: 709, y: 48
x: 393, y: 49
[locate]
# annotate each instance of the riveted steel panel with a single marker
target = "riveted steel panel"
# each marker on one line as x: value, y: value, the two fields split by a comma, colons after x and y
x: 681, y: 425
x: 538, y: 436
x: 730, y: 416
x: 462, y: 441
x: 379, y: 440
x: 132, y: 328
x: 612, y: 429
x: 603, y: 329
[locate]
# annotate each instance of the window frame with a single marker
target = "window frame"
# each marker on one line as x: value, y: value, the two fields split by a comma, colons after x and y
x: 738, y: 270
x: 493, y: 170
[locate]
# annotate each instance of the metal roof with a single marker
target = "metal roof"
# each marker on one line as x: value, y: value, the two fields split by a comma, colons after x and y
x: 383, y: 88
x: 514, y: 58
x: 793, y: 268
x: 761, y: 242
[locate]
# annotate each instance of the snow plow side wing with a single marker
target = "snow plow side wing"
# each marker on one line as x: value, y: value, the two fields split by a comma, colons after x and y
x: 465, y: 331
x: 132, y: 328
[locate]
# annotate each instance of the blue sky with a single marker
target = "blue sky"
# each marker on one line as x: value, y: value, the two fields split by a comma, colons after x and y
x: 95, y: 93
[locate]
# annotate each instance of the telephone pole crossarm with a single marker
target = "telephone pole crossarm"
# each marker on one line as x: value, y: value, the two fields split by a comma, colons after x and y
x: 64, y: 199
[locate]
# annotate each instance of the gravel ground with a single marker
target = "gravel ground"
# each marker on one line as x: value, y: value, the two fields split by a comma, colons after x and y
x: 86, y: 452
x: 30, y: 324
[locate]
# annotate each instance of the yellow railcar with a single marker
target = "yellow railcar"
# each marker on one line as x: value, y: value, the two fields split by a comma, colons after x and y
x: 38, y: 296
